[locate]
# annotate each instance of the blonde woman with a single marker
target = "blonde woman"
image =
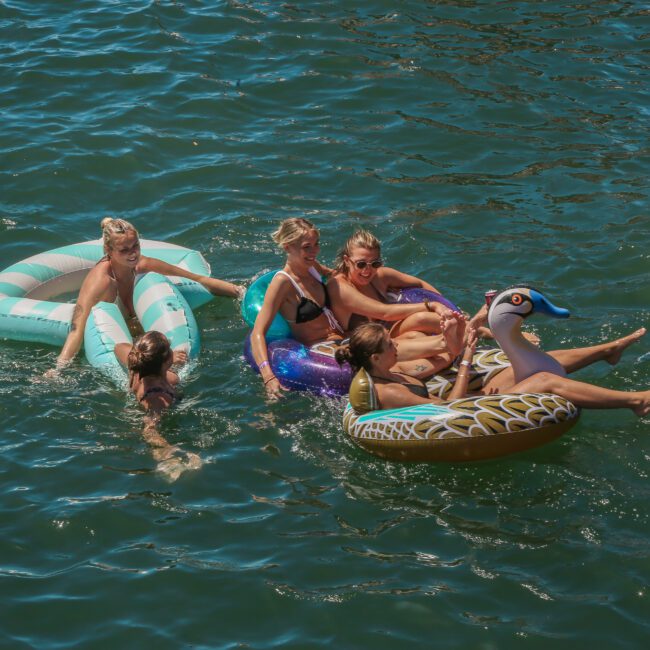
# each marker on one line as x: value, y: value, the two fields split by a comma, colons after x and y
x: 298, y: 294
x: 112, y: 280
x: 429, y: 334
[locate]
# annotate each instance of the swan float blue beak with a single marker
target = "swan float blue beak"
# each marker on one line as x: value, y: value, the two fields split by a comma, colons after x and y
x: 543, y: 306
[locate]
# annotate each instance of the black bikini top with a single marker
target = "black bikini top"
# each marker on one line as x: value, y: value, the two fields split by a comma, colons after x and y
x: 307, y: 309
x: 157, y: 389
x: 417, y: 389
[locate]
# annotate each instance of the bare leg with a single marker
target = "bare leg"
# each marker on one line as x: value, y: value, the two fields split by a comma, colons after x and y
x: 585, y: 395
x: 423, y: 347
x: 573, y: 359
x: 172, y: 461
x: 611, y: 352
x: 425, y: 322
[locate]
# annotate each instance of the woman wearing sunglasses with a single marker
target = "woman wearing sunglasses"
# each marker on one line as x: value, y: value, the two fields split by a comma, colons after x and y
x: 299, y: 295
x: 359, y: 292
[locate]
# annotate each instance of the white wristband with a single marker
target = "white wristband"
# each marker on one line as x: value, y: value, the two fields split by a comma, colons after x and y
x: 465, y: 363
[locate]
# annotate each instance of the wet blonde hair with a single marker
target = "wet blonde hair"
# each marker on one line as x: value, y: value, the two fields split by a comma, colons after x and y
x: 366, y: 340
x: 291, y: 230
x: 359, y: 239
x: 111, y: 227
x: 148, y: 354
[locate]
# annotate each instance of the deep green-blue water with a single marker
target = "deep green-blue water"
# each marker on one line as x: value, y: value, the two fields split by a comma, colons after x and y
x: 485, y: 143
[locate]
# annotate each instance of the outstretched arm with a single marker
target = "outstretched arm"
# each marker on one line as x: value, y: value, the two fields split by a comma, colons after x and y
x: 397, y: 280
x: 355, y: 302
x: 213, y: 285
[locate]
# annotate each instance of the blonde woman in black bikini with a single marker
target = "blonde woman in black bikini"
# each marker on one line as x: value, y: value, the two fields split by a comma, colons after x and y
x: 113, y: 278
x: 149, y: 361
x: 298, y: 294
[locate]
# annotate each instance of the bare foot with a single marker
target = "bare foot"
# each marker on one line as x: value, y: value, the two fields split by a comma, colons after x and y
x: 618, y: 346
x: 453, y: 329
x: 533, y: 338
x: 643, y: 407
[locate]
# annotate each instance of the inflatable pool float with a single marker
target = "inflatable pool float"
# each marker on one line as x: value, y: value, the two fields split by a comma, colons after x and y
x: 29, y: 311
x: 470, y: 428
x: 314, y: 368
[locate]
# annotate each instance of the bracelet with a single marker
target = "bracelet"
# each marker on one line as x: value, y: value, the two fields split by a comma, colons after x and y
x: 271, y: 378
x: 466, y: 363
x: 262, y: 365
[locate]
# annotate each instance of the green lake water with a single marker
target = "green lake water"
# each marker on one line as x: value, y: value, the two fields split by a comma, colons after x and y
x: 485, y: 143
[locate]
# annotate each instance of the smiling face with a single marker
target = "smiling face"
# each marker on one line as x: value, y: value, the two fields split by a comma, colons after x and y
x: 362, y: 264
x: 304, y: 251
x: 125, y: 249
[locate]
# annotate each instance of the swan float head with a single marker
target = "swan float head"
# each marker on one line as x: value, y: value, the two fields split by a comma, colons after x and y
x: 506, y: 314
x: 522, y: 301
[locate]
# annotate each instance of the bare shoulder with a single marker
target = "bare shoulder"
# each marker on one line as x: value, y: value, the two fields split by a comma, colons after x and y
x: 97, y: 282
x: 144, y: 264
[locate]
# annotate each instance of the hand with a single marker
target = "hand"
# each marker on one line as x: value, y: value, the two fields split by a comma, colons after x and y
x: 274, y: 389
x: 179, y: 357
x: 52, y: 373
x: 472, y: 339
x: 55, y: 373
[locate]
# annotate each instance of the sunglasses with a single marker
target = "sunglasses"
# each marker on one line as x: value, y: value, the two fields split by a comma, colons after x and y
x: 361, y: 264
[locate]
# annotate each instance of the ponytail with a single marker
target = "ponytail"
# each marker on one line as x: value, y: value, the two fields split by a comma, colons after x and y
x: 366, y: 340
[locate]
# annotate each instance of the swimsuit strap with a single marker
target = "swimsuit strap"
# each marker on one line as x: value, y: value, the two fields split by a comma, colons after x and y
x: 157, y: 389
x: 296, y: 286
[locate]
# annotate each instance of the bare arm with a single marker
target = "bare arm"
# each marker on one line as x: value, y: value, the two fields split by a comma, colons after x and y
x: 462, y: 380
x: 275, y: 295
x: 325, y: 271
x: 397, y: 280
x: 92, y: 291
x: 355, y: 302
x: 213, y: 285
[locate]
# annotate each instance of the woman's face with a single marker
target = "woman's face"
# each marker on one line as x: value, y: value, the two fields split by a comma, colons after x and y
x: 126, y: 249
x: 305, y: 250
x: 387, y: 357
x: 362, y: 264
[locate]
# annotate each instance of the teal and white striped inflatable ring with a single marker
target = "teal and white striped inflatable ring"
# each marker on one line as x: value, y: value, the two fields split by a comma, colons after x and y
x: 29, y: 313
x: 159, y: 305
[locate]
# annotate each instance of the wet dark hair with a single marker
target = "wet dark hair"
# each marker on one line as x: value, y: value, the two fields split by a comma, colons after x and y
x: 148, y: 354
x: 366, y: 340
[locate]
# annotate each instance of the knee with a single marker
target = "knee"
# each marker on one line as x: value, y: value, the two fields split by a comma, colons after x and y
x: 543, y: 382
x: 425, y: 319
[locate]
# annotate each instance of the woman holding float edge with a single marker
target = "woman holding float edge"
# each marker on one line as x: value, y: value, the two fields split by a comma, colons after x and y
x: 153, y: 383
x: 112, y: 279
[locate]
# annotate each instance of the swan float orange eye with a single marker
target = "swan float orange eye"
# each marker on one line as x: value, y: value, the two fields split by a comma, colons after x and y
x: 517, y: 299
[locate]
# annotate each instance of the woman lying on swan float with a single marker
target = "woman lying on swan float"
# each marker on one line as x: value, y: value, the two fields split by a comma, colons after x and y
x: 392, y: 415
